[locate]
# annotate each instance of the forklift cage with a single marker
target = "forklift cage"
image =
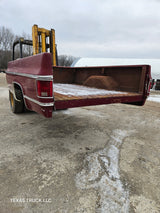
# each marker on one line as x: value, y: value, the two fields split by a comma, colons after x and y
x: 39, y: 43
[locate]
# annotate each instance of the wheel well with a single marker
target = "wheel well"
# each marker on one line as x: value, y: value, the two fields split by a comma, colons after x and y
x: 17, y: 87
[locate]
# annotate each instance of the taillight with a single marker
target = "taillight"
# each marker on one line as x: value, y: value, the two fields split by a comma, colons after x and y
x: 45, y: 88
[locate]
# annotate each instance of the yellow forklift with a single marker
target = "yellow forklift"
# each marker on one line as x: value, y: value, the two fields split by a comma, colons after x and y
x: 43, y: 40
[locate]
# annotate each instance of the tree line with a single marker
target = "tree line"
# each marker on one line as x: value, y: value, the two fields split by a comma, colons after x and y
x: 7, y: 38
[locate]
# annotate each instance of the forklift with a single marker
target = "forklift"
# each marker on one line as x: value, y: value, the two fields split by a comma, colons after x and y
x: 43, y: 40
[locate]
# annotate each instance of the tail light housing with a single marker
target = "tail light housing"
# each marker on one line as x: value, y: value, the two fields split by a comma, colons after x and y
x: 45, y: 88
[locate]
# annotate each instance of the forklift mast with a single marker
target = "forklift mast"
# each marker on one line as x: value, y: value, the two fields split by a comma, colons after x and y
x: 42, y: 41
x: 41, y: 38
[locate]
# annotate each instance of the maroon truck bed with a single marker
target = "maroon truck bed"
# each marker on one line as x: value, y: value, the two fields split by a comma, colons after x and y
x: 75, y: 87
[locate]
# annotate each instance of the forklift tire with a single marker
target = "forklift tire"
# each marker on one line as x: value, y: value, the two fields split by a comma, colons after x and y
x: 17, y: 105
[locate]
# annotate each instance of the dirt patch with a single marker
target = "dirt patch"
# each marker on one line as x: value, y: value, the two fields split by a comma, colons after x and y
x: 101, y: 82
x: 3, y: 82
x: 83, y: 160
x: 139, y: 161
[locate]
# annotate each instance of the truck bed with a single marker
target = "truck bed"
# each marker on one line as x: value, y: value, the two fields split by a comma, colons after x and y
x: 71, y: 95
x: 82, y: 86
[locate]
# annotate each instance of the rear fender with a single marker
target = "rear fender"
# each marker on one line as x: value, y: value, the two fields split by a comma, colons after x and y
x: 25, y: 73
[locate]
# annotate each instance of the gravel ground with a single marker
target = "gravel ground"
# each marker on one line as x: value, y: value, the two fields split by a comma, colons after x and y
x: 90, y: 159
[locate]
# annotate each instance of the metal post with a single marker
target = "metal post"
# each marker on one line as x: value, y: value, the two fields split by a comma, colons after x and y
x: 43, y: 36
x: 53, y: 45
x: 35, y: 39
x: 20, y: 44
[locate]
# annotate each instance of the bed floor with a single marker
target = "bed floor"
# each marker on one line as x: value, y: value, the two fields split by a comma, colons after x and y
x: 73, y: 92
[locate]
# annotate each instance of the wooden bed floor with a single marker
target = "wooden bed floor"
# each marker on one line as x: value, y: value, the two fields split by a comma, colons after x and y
x: 64, y: 92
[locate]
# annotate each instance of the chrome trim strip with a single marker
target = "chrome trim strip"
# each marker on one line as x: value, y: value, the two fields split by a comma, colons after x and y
x: 48, y: 97
x: 39, y: 103
x: 38, y: 77
x: 45, y: 77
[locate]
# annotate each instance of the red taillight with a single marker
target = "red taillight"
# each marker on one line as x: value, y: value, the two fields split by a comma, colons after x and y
x: 45, y: 88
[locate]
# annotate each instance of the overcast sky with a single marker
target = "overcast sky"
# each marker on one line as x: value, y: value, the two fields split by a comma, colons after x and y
x: 91, y: 28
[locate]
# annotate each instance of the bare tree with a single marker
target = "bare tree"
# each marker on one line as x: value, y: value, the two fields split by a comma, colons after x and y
x: 65, y: 60
x: 6, y: 41
x: 27, y: 50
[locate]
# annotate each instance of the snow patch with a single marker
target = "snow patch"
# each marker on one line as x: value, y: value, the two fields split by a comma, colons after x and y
x: 78, y: 90
x: 101, y: 172
x: 155, y: 98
